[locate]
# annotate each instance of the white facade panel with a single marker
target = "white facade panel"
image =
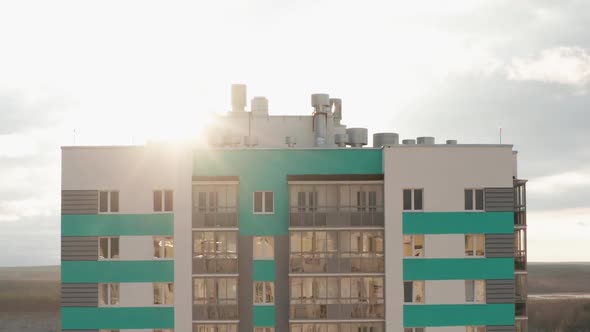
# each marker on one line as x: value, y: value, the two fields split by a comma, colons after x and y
x: 444, y: 246
x: 445, y: 292
x: 136, y: 294
x: 136, y: 248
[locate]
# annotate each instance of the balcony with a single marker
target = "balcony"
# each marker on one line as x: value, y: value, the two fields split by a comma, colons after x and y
x: 520, y: 263
x: 215, y: 312
x: 338, y: 311
x: 300, y: 264
x: 226, y: 217
x: 520, y: 288
x: 202, y: 265
x: 334, y: 217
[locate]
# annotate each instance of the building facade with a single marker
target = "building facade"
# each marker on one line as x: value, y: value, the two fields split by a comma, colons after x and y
x: 291, y: 230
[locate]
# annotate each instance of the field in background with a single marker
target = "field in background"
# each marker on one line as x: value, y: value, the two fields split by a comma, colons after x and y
x: 29, y: 298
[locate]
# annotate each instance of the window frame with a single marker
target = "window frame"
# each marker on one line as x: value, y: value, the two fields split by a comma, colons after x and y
x: 109, y: 201
x: 265, y: 255
x: 474, y: 200
x: 413, y: 284
x: 109, y: 246
x: 475, y: 283
x: 264, y: 292
x: 474, y: 244
x: 413, y: 200
x: 263, y: 203
x: 163, y: 194
x: 164, y: 290
x: 109, y: 287
x: 162, y: 249
x: 413, y: 245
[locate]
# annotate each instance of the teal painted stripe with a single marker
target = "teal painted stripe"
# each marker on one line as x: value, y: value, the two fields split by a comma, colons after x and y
x: 458, y: 268
x: 423, y: 315
x: 117, y: 318
x: 117, y: 271
x: 263, y: 270
x: 458, y: 223
x: 264, y: 315
x: 117, y: 224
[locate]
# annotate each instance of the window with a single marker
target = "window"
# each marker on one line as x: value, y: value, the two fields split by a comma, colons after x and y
x: 264, y: 329
x: 108, y: 201
x: 163, y: 200
x: 108, y: 248
x: 263, y: 202
x: 475, y: 291
x: 264, y: 292
x: 215, y: 244
x: 307, y: 201
x: 220, y: 291
x: 163, y: 293
x: 264, y: 247
x: 163, y: 247
x: 328, y: 290
x: 414, y: 245
x: 108, y: 294
x: 414, y: 291
x: 414, y: 196
x: 475, y: 329
x: 164, y: 330
x: 108, y: 330
x: 475, y: 245
x: 414, y: 329
x: 472, y: 195
x: 197, y: 327
x: 208, y: 201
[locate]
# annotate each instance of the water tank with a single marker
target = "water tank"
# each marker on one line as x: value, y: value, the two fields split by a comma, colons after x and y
x: 340, y: 140
x: 452, y: 141
x: 336, y: 107
x: 320, y: 101
x: 259, y: 106
x: 426, y: 140
x: 385, y: 139
x: 357, y: 137
x: 238, y: 97
x: 409, y: 142
x: 290, y: 141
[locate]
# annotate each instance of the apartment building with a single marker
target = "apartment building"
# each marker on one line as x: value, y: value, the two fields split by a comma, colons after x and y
x: 290, y: 223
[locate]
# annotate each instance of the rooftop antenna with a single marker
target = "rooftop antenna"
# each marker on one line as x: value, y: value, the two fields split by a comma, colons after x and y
x: 74, y: 136
x: 500, y: 134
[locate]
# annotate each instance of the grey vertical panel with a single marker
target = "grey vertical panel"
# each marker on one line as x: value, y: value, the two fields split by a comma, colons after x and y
x: 500, y: 328
x: 79, y: 248
x: 499, y: 245
x: 500, y: 291
x: 79, y: 295
x: 282, y: 283
x: 79, y: 201
x: 80, y: 330
x: 499, y: 199
x: 245, y: 283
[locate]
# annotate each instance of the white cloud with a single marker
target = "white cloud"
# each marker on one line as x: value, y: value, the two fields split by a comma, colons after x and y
x: 559, y: 183
x: 563, y: 65
x: 558, y: 235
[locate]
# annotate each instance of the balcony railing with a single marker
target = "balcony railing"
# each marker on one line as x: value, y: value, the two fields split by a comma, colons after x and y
x: 215, y: 312
x: 203, y: 265
x: 369, y: 216
x: 520, y: 263
x: 301, y: 264
x: 337, y: 311
x: 218, y: 217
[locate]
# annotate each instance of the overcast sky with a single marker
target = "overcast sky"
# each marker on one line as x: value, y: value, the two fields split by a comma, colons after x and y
x: 121, y: 72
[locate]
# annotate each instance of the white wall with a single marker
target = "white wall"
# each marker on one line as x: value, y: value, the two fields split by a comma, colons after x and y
x: 136, y: 172
x: 271, y: 130
x: 444, y: 172
x: 136, y: 294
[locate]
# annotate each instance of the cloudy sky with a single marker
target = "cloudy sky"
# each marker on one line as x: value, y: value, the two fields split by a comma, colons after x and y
x: 121, y: 72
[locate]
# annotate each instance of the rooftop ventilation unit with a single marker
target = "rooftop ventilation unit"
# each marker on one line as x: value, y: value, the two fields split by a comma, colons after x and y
x: 259, y: 106
x: 357, y: 137
x: 321, y: 105
x: 340, y: 140
x: 451, y: 141
x: 385, y: 139
x: 238, y: 97
x: 426, y: 140
x: 336, y: 107
x: 409, y: 142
